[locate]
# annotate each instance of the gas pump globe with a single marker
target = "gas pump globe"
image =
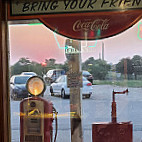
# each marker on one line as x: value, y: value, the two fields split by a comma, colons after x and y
x: 36, y: 86
x: 36, y: 114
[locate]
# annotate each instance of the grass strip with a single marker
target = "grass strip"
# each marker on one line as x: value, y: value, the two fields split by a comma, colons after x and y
x: 125, y: 83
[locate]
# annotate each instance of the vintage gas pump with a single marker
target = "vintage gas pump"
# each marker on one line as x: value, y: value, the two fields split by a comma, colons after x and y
x: 113, y: 131
x: 36, y: 114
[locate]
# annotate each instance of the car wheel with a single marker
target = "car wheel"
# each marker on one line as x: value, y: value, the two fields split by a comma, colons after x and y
x: 91, y: 81
x: 63, y: 94
x: 88, y: 96
x: 51, y: 91
x: 14, y: 96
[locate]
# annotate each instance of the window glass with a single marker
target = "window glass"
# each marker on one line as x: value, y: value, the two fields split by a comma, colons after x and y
x: 62, y: 79
x: 59, y: 79
x: 109, y: 65
x: 21, y: 80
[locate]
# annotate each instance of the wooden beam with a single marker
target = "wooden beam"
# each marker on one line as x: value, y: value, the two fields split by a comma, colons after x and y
x: 75, y: 79
x: 4, y: 76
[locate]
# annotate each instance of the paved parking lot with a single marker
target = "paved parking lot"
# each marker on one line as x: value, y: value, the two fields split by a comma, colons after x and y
x: 95, y: 109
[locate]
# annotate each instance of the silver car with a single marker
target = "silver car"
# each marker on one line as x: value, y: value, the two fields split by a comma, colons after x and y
x: 59, y: 87
x: 18, y: 88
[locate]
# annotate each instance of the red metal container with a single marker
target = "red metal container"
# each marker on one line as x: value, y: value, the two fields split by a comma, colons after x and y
x: 112, y: 132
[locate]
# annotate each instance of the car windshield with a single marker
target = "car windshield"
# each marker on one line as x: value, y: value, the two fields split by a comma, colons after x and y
x: 21, y: 79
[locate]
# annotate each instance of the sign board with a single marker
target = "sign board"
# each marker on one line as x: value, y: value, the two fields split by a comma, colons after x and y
x: 28, y: 7
x: 74, y: 80
x: 79, y: 19
x: 71, y: 50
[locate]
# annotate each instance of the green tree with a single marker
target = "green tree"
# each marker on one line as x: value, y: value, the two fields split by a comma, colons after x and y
x: 98, y: 68
x: 125, y: 67
x: 101, y: 69
x: 90, y: 61
x: 137, y: 65
x: 25, y: 65
x: 50, y: 64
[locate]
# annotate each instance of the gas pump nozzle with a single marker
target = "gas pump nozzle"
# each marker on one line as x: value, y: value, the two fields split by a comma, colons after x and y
x: 113, y: 112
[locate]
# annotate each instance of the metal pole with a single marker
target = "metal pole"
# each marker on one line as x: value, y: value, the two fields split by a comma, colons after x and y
x: 113, y: 112
x: 113, y: 106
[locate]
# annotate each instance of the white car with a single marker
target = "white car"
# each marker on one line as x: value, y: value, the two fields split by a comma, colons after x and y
x: 59, y: 87
x: 52, y: 75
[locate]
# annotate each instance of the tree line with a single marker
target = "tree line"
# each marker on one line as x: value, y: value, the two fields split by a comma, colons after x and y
x: 130, y: 66
x: 97, y: 67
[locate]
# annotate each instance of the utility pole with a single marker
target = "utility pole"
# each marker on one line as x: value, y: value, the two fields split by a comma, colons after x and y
x: 73, y: 54
x: 103, y: 51
x: 125, y: 68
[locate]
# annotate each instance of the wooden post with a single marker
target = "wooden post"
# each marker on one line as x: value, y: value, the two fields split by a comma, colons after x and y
x: 73, y: 49
x: 4, y: 76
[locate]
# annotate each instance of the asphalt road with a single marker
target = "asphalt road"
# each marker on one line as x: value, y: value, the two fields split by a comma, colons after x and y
x: 95, y: 109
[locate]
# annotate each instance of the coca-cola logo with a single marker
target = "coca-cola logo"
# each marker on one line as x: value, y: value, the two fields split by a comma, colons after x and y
x: 93, y: 25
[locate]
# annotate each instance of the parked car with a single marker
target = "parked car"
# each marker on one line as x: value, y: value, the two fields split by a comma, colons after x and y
x: 18, y: 86
x: 28, y: 73
x: 52, y: 75
x: 59, y: 87
x: 87, y: 75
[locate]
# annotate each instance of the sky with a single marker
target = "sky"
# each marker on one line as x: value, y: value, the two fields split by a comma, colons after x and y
x: 38, y: 43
